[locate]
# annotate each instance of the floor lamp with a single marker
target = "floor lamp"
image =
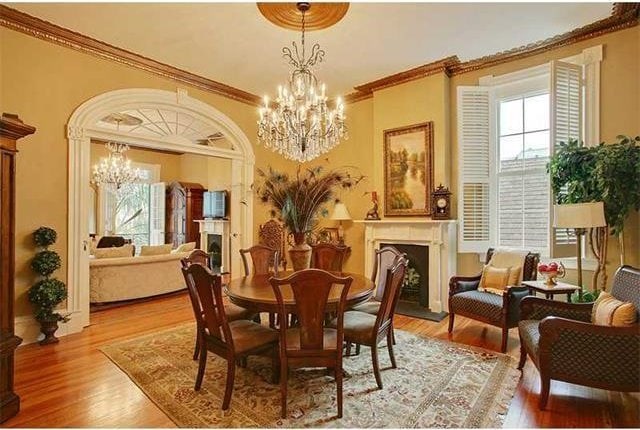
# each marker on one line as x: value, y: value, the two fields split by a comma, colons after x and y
x: 580, y: 217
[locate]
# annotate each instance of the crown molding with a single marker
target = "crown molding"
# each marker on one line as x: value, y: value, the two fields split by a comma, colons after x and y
x: 623, y: 15
x: 25, y: 23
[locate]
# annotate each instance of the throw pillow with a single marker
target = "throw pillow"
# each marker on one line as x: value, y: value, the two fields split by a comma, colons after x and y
x: 494, y: 279
x: 607, y: 310
x: 514, y: 276
x: 114, y: 252
x: 186, y: 247
x: 155, y: 250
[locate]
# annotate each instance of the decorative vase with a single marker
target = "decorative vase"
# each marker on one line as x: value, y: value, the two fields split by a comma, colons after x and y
x: 48, y: 328
x: 300, y: 252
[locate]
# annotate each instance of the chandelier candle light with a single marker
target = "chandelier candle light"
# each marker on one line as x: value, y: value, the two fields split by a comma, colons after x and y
x: 299, y: 124
x: 116, y: 169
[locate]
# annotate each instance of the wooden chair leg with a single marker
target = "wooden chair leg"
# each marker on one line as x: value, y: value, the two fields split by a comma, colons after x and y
x: 376, y: 368
x: 393, y: 335
x: 451, y: 319
x: 545, y: 385
x: 284, y: 375
x: 228, y: 390
x: 505, y: 336
x: 272, y: 320
x: 202, y: 364
x: 357, y: 349
x: 348, y: 349
x: 256, y: 319
x: 390, y: 348
x: 523, y: 355
x: 196, y: 348
x: 338, y: 376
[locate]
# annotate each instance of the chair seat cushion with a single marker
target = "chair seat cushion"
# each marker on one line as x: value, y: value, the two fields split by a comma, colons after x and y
x: 371, y: 307
x: 248, y: 335
x: 477, y: 303
x: 530, y: 334
x: 235, y: 312
x: 358, y: 327
x: 330, y: 341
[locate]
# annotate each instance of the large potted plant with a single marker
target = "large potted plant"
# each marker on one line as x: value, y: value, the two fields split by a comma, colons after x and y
x: 609, y: 173
x: 47, y: 292
x: 300, y: 199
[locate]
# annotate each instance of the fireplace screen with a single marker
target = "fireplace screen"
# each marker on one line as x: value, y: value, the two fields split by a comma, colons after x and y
x: 214, y: 249
x: 415, y: 288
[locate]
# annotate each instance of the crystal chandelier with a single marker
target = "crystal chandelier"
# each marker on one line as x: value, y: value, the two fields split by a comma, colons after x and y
x: 300, y: 125
x: 116, y: 169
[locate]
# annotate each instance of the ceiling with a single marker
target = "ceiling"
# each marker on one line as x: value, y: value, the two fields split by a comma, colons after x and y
x: 233, y: 44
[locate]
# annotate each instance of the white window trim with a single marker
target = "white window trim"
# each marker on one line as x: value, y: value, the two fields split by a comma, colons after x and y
x: 155, y: 177
x: 590, y: 58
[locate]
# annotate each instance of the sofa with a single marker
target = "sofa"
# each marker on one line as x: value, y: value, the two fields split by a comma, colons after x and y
x: 127, y: 278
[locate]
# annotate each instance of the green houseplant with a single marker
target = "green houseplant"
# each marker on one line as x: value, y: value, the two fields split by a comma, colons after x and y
x: 299, y: 199
x: 609, y: 173
x: 47, y: 292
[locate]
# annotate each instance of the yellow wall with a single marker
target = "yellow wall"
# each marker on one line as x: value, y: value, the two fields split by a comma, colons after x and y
x: 44, y: 83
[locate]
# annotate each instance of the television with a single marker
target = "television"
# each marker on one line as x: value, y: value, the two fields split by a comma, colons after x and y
x: 214, y: 204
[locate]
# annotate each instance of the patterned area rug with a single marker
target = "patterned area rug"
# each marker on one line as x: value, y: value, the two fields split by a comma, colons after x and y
x: 437, y: 384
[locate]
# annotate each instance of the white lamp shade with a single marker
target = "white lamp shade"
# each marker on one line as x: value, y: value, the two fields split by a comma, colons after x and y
x: 579, y: 215
x: 340, y: 212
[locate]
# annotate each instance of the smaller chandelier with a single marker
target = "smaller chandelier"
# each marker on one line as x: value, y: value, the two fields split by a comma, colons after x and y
x: 116, y: 169
x: 300, y: 125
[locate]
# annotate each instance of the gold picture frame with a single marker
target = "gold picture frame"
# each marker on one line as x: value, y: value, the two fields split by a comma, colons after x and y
x: 408, y: 170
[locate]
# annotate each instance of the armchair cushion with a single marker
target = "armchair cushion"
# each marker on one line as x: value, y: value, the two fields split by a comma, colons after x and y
x: 478, y: 303
x: 494, y: 279
x: 607, y: 310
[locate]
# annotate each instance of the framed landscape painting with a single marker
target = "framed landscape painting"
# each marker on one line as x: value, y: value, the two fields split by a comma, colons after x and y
x: 408, y: 170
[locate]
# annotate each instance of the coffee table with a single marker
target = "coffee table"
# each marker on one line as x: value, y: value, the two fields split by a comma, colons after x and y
x: 550, y: 291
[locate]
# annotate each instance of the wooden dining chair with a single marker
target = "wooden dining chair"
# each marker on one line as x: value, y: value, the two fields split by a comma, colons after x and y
x: 328, y: 256
x: 310, y: 344
x: 231, y: 340
x: 365, y: 329
x: 263, y: 258
x: 383, y: 259
x: 233, y: 312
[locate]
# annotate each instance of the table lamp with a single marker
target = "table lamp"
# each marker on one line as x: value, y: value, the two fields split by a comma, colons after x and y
x: 340, y: 213
x: 580, y: 217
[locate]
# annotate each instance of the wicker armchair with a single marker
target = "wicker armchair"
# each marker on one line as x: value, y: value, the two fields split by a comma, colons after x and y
x: 564, y: 345
x: 500, y: 311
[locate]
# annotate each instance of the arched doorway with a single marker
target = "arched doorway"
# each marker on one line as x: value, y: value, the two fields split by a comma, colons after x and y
x: 176, y: 122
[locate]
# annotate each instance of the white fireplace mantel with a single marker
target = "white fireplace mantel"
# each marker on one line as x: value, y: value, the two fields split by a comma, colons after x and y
x: 439, y: 236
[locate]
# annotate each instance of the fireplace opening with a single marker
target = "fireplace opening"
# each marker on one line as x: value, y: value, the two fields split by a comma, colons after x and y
x: 415, y: 289
x: 214, y: 249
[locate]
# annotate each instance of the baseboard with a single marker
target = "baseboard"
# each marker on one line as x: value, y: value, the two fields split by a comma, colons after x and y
x: 29, y: 329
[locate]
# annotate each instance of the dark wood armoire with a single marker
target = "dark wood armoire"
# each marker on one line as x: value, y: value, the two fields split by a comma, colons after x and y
x: 182, y: 207
x: 11, y: 129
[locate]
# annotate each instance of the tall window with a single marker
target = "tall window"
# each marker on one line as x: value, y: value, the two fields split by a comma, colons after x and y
x: 127, y: 210
x: 522, y: 181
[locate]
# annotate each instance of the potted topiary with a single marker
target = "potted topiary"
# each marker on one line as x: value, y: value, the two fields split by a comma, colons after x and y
x: 47, y: 292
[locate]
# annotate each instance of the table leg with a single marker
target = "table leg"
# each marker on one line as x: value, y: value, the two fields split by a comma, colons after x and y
x: 568, y: 297
x: 549, y: 296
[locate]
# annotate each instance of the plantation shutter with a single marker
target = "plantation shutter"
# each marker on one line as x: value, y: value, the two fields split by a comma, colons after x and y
x: 156, y: 213
x: 474, y: 169
x: 566, y: 89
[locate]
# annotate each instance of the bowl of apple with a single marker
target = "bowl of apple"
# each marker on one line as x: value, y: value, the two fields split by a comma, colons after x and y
x: 550, y: 272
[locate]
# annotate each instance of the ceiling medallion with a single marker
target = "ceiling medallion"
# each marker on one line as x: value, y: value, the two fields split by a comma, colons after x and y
x: 299, y: 124
x: 287, y: 15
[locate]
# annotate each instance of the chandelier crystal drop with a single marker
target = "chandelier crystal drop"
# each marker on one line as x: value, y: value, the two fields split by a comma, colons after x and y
x: 299, y: 124
x: 116, y: 169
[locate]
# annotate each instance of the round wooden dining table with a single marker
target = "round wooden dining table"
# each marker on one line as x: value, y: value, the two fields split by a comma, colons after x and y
x: 255, y: 293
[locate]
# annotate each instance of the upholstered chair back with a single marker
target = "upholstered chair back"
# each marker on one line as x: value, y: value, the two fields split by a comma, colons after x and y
x: 530, y: 269
x: 626, y: 286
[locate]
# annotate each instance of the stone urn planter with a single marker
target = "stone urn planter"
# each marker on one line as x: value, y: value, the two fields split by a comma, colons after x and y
x: 300, y: 252
x: 49, y: 328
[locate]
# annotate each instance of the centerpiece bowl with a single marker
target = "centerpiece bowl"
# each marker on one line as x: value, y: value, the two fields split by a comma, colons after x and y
x: 550, y: 272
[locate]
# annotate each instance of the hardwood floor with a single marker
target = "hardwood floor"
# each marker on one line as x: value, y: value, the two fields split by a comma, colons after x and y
x: 72, y: 384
